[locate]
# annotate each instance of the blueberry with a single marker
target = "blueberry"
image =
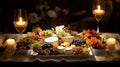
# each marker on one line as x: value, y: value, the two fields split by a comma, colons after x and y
x: 36, y: 50
x: 50, y: 45
x: 44, y: 47
x: 51, y: 49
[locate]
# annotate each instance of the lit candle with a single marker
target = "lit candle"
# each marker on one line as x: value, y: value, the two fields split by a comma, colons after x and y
x: 11, y: 43
x: 111, y: 44
x: 20, y: 23
x: 98, y: 11
x: 111, y: 41
x: 11, y: 46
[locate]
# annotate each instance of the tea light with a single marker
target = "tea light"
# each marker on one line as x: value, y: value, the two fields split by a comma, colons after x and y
x: 61, y: 49
x: 98, y: 11
x: 111, y: 41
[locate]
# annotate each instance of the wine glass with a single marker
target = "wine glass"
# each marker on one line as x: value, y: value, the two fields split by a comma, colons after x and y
x: 98, y: 10
x: 20, y: 20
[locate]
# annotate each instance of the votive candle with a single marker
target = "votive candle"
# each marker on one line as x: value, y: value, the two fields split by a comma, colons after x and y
x: 111, y: 41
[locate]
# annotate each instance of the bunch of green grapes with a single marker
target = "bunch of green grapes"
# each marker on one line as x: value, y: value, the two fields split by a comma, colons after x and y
x: 48, y: 32
x: 36, y: 44
x: 33, y: 43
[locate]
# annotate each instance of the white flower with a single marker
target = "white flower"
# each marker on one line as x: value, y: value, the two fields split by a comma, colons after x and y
x: 52, y: 14
x: 33, y: 17
x: 59, y: 29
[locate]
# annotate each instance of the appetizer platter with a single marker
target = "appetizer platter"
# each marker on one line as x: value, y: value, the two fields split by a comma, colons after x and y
x: 61, y: 44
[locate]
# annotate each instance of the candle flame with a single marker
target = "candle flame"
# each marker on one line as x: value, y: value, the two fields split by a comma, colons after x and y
x: 21, y: 22
x: 20, y: 19
x: 98, y: 7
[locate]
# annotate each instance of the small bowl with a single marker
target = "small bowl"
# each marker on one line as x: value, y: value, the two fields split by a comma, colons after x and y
x: 61, y: 49
x: 99, y: 52
x: 68, y: 39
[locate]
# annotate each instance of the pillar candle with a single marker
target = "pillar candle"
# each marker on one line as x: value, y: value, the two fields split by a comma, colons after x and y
x: 11, y: 46
x: 111, y: 41
x: 11, y: 43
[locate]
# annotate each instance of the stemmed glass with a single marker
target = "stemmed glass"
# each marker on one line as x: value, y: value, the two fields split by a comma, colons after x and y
x: 98, y: 10
x: 20, y: 20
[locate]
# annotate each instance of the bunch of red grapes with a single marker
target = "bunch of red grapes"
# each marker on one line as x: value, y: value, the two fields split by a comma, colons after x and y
x: 77, y: 50
x: 23, y: 45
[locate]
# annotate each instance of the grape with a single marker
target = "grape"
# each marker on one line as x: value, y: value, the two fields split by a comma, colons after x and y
x: 27, y: 47
x: 48, y: 32
x: 36, y: 50
x: 44, y: 46
x: 22, y: 45
x: 47, y: 45
x: 77, y: 50
x: 36, y: 44
x: 78, y: 42
x: 85, y: 46
x: 41, y: 52
x: 83, y: 41
x: 50, y: 45
x: 49, y: 48
x: 96, y: 45
x: 36, y: 37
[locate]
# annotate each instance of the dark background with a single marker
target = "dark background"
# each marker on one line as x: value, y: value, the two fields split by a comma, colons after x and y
x: 75, y: 18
